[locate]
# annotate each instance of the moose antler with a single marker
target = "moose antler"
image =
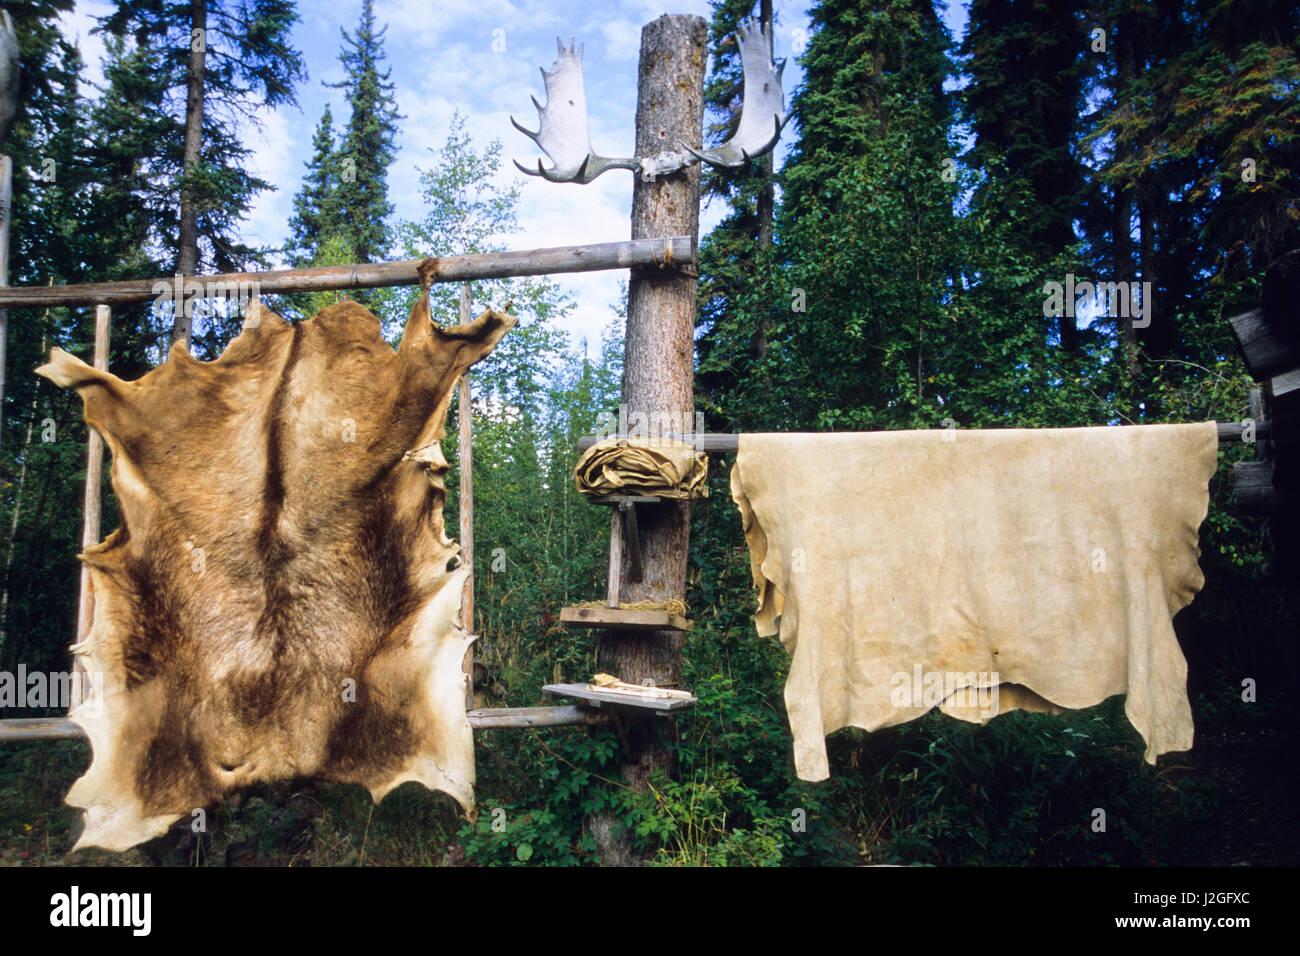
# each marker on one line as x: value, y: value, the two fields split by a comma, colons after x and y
x: 562, y: 133
x: 762, y: 111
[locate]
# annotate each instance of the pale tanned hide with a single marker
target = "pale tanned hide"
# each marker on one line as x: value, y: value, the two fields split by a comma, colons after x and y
x: 276, y: 603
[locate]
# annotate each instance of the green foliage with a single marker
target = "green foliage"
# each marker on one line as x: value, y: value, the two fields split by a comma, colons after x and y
x: 1225, y: 707
x: 893, y: 296
x: 736, y: 802
x: 727, y: 804
x: 732, y: 799
x: 358, y: 207
x: 332, y: 251
x: 1021, y: 790
x: 249, y: 65
x: 548, y: 828
x: 316, y: 210
x: 1218, y: 96
x: 923, y: 300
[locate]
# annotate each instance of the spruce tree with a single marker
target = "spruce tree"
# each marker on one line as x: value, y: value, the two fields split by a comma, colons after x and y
x: 315, y: 207
x: 865, y: 236
x: 1198, y: 134
x: 1023, y: 103
x: 735, y: 257
x: 49, y: 244
x: 367, y: 148
x: 219, y: 63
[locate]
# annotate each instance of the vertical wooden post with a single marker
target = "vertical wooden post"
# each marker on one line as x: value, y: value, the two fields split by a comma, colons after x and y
x: 614, y: 583
x: 94, y: 470
x: 6, y: 195
x: 658, y: 373
x: 466, y: 445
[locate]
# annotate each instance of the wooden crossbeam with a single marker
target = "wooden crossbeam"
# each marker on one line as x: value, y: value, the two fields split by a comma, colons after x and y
x: 719, y: 443
x: 669, y: 254
x: 32, y: 730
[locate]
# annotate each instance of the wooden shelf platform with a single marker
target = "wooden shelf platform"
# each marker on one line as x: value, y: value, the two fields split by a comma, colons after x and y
x: 595, y: 697
x: 624, y: 619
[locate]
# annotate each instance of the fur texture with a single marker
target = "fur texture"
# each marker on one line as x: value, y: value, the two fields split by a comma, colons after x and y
x: 277, y: 601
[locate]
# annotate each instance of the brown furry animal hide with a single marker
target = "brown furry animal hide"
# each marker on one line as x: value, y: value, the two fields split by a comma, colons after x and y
x: 277, y: 601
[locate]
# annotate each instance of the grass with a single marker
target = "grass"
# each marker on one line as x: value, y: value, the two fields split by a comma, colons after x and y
x: 270, y: 825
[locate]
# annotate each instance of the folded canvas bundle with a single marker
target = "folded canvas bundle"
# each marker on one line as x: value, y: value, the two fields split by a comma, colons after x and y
x: 976, y: 571
x: 639, y: 466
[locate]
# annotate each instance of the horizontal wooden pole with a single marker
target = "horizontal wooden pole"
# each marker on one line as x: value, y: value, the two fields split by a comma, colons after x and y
x: 633, y: 253
x: 499, y: 718
x: 719, y: 443
x: 39, y: 728
x: 707, y: 441
x: 515, y: 718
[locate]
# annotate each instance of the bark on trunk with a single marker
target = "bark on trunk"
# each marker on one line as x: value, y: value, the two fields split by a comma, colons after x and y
x: 766, y: 202
x: 187, y: 258
x: 658, y: 372
x: 1123, y: 244
x: 767, y: 196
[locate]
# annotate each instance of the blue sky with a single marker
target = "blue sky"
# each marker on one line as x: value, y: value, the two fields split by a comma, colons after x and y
x: 442, y: 59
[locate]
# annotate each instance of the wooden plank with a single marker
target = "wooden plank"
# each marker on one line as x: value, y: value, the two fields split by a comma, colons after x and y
x: 623, y: 619
x: 1285, y: 384
x: 94, y: 476
x: 721, y: 444
x: 615, y: 560
x: 651, y: 253
x: 1267, y: 348
x: 601, y: 698
x: 632, y: 535
x: 1284, y: 413
x: 1253, y: 483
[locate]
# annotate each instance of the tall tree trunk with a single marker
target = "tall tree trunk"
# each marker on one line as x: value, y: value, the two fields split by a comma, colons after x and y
x: 1061, y: 237
x: 1147, y: 252
x: 767, y: 195
x: 659, y: 362
x: 1122, y: 247
x: 6, y: 197
x: 766, y: 204
x: 187, y: 258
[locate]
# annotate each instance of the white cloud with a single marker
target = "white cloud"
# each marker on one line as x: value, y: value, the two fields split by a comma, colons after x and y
x: 442, y: 59
x: 75, y: 25
x: 275, y: 158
